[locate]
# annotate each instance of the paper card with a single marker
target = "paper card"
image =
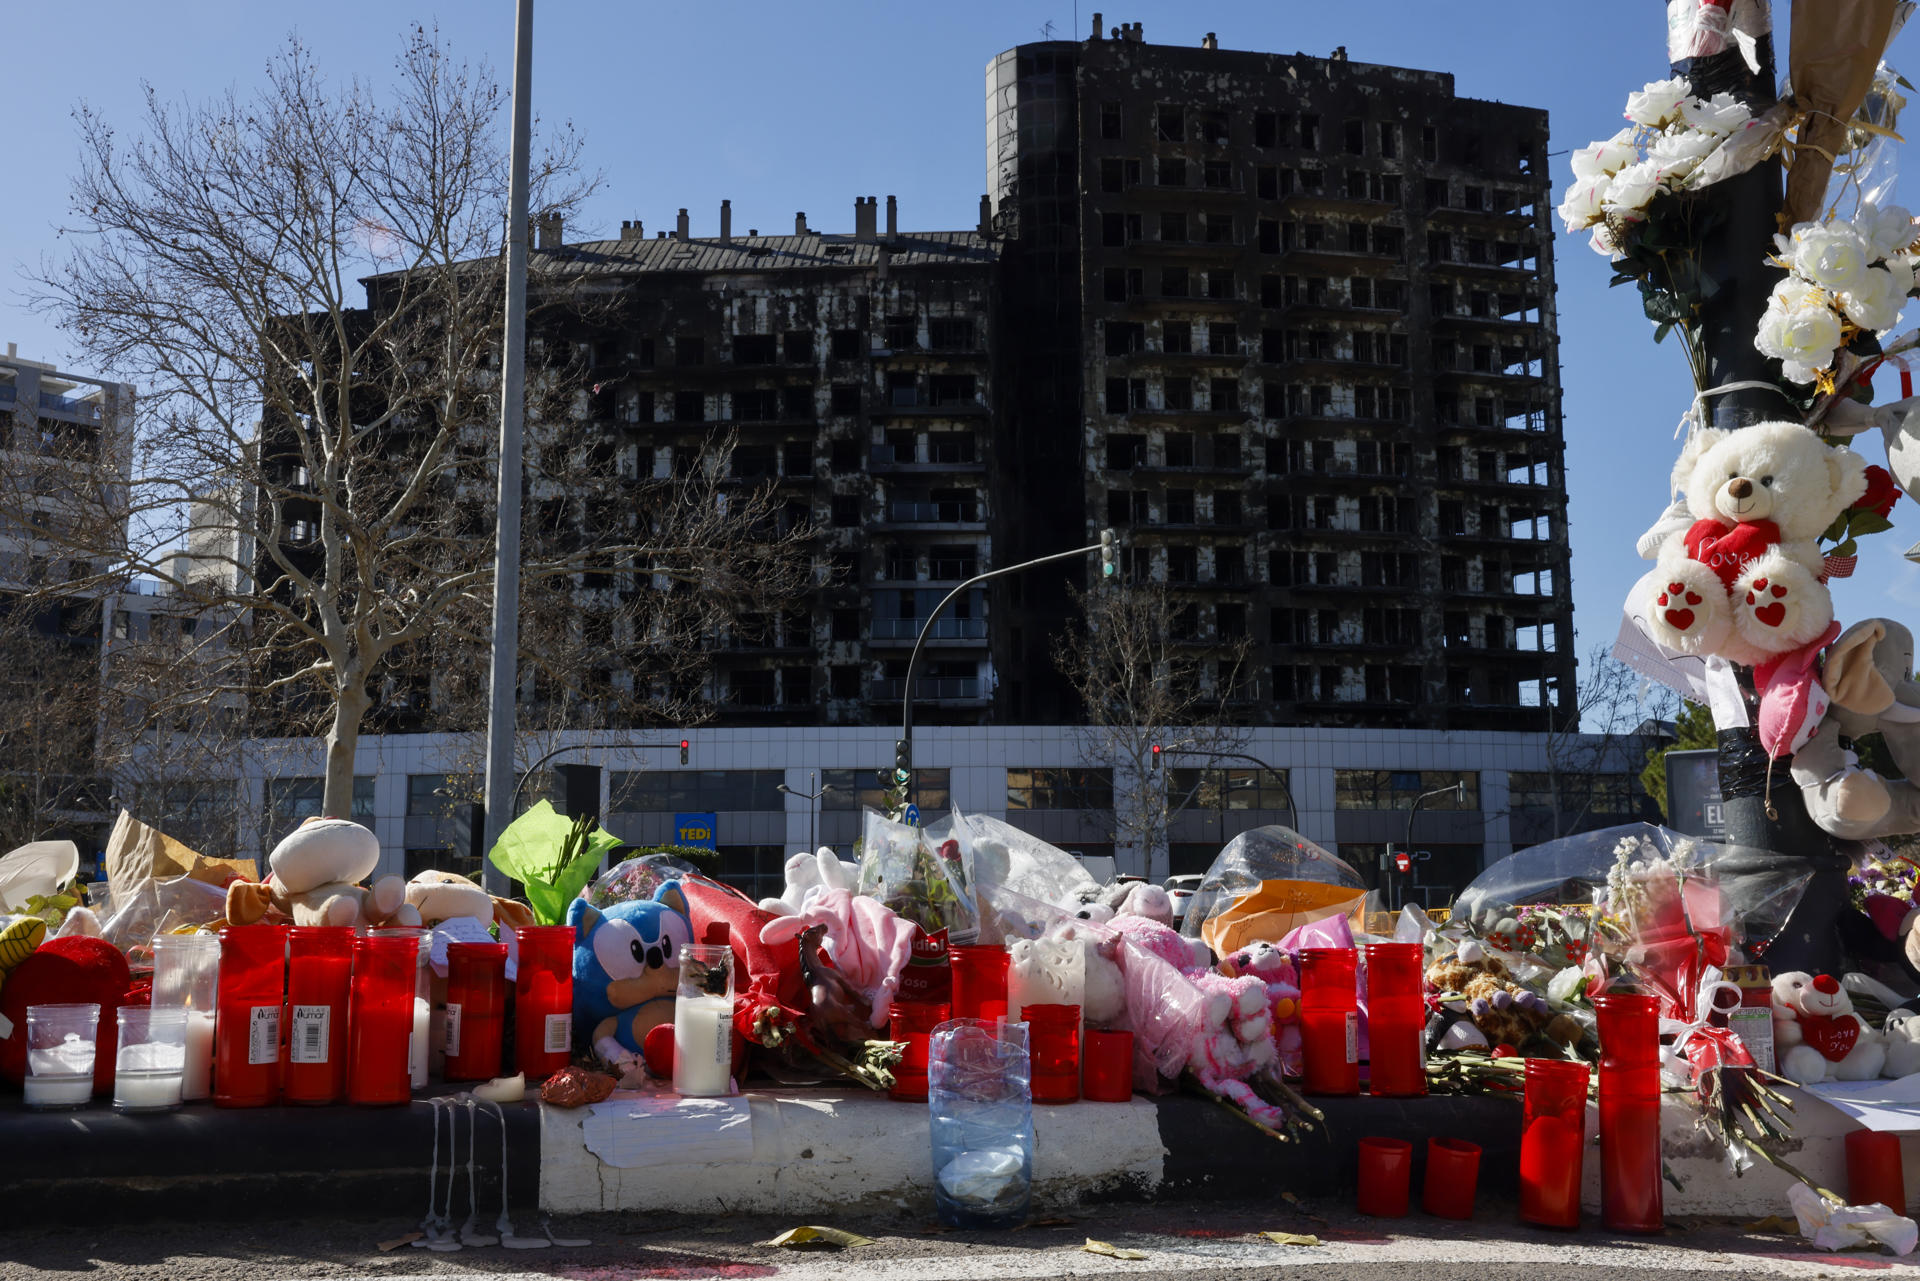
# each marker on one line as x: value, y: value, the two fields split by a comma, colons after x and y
x: 459, y: 929
x: 1724, y: 696
x: 1892, y: 1106
x: 1682, y: 673
x: 663, y: 1130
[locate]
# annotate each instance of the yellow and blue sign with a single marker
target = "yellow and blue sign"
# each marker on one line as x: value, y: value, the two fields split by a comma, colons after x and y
x: 696, y: 829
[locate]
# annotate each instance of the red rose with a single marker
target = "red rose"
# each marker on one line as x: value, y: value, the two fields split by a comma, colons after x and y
x: 1881, y: 493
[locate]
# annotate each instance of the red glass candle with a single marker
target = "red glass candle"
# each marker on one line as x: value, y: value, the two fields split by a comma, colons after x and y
x: 1874, y: 1174
x: 543, y: 1000
x: 1396, y: 1020
x: 476, y: 1010
x: 1106, y: 1066
x: 1453, y: 1172
x: 1630, y: 1199
x: 319, y: 969
x: 1385, y: 1175
x: 1551, y: 1143
x: 1053, y: 1040
x: 1329, y: 1021
x: 979, y: 979
x: 380, y: 1019
x: 246, y: 1034
x: 912, y: 1022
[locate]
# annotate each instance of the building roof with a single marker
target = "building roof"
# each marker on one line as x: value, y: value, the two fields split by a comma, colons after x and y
x: 814, y: 251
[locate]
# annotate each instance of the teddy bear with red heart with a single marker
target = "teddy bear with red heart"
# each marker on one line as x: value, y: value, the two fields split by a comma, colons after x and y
x: 1739, y: 571
x: 1817, y: 1036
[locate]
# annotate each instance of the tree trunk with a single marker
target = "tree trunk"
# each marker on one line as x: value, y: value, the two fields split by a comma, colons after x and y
x: 343, y: 737
x: 1765, y: 814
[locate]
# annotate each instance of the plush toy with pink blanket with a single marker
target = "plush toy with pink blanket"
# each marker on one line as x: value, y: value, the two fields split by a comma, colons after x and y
x: 1274, y: 968
x: 868, y: 943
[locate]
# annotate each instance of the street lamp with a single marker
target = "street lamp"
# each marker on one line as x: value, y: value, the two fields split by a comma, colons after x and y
x: 813, y: 813
x: 1292, y: 814
x: 1459, y: 790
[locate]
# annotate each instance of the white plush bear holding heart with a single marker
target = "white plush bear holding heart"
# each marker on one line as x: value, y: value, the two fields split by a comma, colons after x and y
x: 1740, y: 572
x: 1817, y: 1036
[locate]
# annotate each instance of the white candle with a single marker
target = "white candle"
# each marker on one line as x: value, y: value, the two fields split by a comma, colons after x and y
x: 419, y: 1046
x: 196, y: 1079
x: 58, y: 1091
x: 145, y: 1091
x: 702, y: 1046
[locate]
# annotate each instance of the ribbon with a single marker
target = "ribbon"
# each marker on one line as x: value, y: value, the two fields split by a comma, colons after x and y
x: 1698, y: 1045
x: 1696, y: 415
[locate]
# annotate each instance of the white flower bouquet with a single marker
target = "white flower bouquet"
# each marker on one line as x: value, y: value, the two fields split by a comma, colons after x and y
x: 1846, y: 283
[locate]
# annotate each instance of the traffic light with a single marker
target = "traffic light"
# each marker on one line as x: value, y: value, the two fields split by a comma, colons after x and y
x: 1156, y: 758
x: 1109, y: 550
x: 683, y: 751
x: 902, y: 760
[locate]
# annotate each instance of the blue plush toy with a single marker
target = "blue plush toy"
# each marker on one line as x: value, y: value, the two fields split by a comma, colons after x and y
x: 626, y: 968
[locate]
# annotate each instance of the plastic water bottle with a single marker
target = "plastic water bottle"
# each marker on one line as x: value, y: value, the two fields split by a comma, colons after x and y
x: 980, y: 1105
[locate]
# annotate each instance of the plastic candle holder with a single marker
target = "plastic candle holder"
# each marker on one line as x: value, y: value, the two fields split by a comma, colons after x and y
x: 380, y: 1020
x: 476, y: 1010
x: 253, y: 982
x: 186, y: 975
x: 1054, y: 1048
x: 419, y: 1047
x: 1453, y: 1172
x: 150, y: 1059
x: 543, y: 1000
x: 61, y: 1043
x: 1106, y: 1066
x: 1329, y: 1021
x: 1874, y: 1173
x: 703, y: 1022
x: 1551, y: 1146
x: 1396, y: 1020
x: 1385, y: 1175
x: 1630, y: 1196
x: 979, y: 978
x: 319, y: 978
x: 912, y: 1022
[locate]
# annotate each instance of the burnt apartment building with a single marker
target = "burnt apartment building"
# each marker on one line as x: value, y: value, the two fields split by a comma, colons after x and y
x: 1291, y: 318
x: 853, y: 372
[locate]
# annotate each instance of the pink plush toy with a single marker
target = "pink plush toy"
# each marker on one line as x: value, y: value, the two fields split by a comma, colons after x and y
x: 1275, y: 968
x: 868, y: 942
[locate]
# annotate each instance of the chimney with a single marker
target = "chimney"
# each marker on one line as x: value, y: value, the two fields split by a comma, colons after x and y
x: 1119, y: 33
x: 1096, y: 27
x: 986, y: 215
x: 726, y: 222
x: 547, y: 231
x: 680, y: 227
x: 800, y: 223
x: 1139, y: 33
x: 893, y: 219
x: 866, y: 214
x: 1209, y: 42
x: 632, y: 230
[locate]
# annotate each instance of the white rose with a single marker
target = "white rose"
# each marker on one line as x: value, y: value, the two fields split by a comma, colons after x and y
x: 1603, y: 158
x: 1603, y: 241
x: 1888, y: 231
x: 1685, y: 147
x: 1792, y: 294
x: 1802, y: 339
x: 1658, y: 102
x: 1633, y: 187
x: 1800, y: 371
x: 1721, y: 114
x: 1874, y: 304
x: 1582, y: 205
x: 1830, y: 254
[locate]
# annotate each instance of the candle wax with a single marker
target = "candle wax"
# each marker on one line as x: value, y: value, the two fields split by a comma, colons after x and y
x: 419, y: 1046
x: 197, y: 1077
x: 58, y: 1091
x: 702, y: 1045
x: 144, y: 1091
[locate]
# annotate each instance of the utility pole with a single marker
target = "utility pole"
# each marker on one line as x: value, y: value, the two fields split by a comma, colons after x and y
x: 1771, y: 822
x: 502, y: 702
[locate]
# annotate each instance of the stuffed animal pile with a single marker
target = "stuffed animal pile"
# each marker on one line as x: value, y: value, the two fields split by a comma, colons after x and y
x: 1483, y: 1005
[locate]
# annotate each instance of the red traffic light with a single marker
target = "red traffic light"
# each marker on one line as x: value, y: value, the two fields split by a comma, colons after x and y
x: 683, y: 751
x: 1403, y: 862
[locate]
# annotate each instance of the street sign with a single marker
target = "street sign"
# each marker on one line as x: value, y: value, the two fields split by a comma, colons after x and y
x: 1694, y: 804
x: 912, y: 816
x: 696, y: 829
x: 1402, y: 862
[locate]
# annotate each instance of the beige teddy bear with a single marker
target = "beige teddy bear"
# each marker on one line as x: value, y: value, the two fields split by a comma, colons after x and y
x: 315, y: 880
x: 442, y: 896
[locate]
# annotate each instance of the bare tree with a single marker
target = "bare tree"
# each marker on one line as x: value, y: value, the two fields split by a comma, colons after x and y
x: 1142, y: 680
x: 49, y: 785
x: 329, y: 465
x: 1596, y: 747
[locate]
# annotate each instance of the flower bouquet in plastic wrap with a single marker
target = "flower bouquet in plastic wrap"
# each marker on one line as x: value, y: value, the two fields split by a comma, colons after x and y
x: 1264, y: 884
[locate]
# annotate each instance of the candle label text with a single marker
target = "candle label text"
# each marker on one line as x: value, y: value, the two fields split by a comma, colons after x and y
x: 559, y: 1033
x: 311, y: 1025
x: 263, y: 1034
x: 452, y: 1044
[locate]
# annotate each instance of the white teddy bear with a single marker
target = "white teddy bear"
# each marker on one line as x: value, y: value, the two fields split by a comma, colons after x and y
x: 1903, y: 1043
x: 1740, y: 570
x: 1817, y: 1036
x: 807, y: 873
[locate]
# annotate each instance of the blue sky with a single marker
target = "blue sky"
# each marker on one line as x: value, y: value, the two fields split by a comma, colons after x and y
x: 783, y: 107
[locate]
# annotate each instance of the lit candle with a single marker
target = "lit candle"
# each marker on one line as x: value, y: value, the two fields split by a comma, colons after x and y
x: 702, y: 1046
x: 196, y: 1079
x: 419, y: 1046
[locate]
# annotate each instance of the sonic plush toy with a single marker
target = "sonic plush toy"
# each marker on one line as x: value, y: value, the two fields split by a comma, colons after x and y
x: 626, y: 968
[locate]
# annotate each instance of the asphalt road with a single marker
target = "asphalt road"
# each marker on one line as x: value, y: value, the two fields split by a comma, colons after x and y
x: 1190, y: 1242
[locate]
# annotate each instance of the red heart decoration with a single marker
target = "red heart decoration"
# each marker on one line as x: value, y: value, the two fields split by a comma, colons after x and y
x: 1759, y: 584
x: 1832, y: 1035
x: 1681, y: 619
x: 1662, y: 600
x: 1772, y: 615
x: 1674, y: 587
x: 1778, y: 592
x: 1693, y: 598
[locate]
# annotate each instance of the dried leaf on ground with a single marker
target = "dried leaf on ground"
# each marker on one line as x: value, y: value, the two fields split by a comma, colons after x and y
x: 812, y: 1235
x: 1111, y: 1251
x: 1291, y: 1238
x: 397, y: 1242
